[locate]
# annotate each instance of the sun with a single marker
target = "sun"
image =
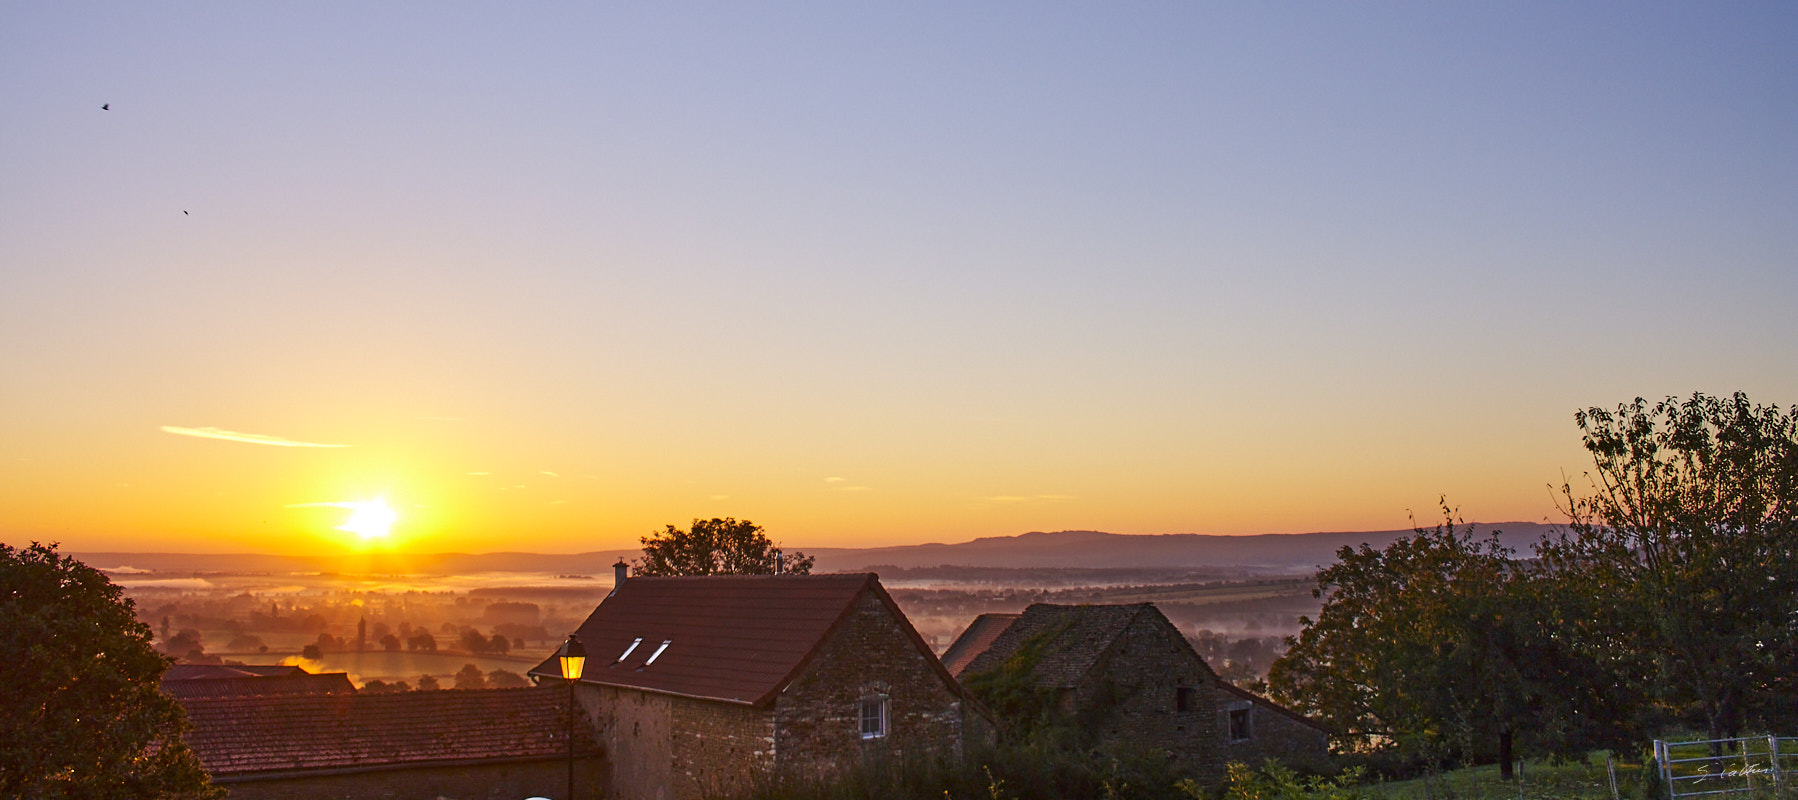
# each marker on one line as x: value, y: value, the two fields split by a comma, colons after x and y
x: 371, y: 519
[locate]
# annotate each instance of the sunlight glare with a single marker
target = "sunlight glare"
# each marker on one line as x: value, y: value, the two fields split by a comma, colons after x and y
x: 371, y: 519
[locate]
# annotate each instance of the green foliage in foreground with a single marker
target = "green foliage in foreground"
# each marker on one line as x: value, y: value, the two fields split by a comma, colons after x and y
x: 85, y: 717
x: 1575, y: 779
x: 1003, y: 773
x: 1275, y: 782
x: 1585, y: 779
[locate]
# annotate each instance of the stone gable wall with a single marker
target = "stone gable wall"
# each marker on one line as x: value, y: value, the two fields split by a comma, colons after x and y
x: 1273, y: 735
x: 817, y: 719
x: 1131, y: 697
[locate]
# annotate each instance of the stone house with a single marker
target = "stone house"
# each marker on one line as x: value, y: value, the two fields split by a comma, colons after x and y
x: 488, y: 744
x: 700, y: 686
x: 1128, y: 675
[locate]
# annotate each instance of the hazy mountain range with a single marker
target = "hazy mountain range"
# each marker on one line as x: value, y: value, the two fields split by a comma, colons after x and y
x: 1268, y: 553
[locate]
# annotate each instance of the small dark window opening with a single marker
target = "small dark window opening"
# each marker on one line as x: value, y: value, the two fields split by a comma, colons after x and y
x: 1239, y: 725
x: 874, y: 717
x: 1183, y: 699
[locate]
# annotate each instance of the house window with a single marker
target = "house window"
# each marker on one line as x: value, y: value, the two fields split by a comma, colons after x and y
x: 658, y: 653
x: 1239, y: 725
x: 1183, y: 699
x: 629, y: 650
x: 874, y: 718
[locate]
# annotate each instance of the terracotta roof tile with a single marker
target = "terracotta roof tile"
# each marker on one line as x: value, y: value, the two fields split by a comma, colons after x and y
x: 189, y: 672
x: 974, y: 640
x: 730, y: 637
x: 302, y: 683
x: 248, y: 735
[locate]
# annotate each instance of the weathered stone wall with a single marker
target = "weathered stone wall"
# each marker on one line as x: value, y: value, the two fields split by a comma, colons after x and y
x: 664, y: 747
x: 1132, y: 698
x: 719, y: 749
x: 1274, y: 735
x: 633, y: 728
x: 818, y: 718
x: 494, y: 781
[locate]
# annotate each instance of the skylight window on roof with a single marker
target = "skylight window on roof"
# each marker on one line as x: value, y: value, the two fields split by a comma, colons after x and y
x: 627, y: 650
x: 658, y: 653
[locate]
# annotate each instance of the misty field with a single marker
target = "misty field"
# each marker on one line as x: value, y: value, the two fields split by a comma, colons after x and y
x: 254, y: 617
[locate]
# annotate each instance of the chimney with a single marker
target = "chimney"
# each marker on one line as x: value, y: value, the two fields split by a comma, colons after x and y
x: 620, y: 572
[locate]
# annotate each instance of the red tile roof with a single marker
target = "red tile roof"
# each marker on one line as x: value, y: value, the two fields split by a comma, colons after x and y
x: 189, y: 672
x: 974, y: 640
x: 739, y: 638
x: 301, y: 683
x: 241, y: 736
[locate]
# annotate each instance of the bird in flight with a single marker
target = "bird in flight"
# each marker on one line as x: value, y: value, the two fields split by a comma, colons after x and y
x: 105, y: 106
x: 184, y: 212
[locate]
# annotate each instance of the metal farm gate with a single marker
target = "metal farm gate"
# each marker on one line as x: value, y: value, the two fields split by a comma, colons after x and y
x: 1759, y: 767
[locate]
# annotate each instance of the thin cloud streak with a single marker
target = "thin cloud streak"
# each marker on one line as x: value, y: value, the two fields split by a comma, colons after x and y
x: 1040, y: 498
x: 246, y: 438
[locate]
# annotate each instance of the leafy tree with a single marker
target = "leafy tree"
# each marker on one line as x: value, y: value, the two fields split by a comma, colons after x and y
x: 716, y: 547
x: 1689, y: 542
x: 428, y: 683
x: 1435, y: 643
x: 185, y: 644
x: 506, y: 679
x: 521, y: 633
x: 474, y: 642
x: 85, y: 717
x: 383, y: 687
x: 470, y: 677
x: 390, y: 643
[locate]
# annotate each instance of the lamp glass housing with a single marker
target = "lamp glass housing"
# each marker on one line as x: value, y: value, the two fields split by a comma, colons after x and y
x: 573, y: 658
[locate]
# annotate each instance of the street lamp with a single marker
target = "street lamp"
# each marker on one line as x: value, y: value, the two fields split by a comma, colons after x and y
x: 573, y: 658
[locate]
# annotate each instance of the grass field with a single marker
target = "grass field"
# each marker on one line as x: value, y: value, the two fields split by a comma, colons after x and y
x: 1540, y: 781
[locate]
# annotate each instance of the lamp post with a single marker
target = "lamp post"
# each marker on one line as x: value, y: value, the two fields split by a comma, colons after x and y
x: 573, y: 658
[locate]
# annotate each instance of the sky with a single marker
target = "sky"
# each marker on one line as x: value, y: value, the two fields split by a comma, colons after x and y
x: 546, y: 277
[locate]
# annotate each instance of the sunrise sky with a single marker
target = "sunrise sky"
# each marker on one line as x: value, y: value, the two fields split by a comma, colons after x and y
x: 547, y: 276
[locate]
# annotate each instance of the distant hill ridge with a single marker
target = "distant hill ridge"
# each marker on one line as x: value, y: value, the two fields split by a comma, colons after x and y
x: 1271, y: 552
x: 1099, y: 550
